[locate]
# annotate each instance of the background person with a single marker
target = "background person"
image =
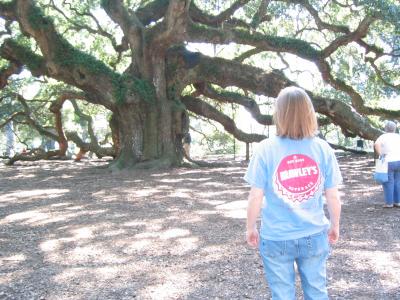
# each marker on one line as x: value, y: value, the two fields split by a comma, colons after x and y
x: 388, y: 144
x: 187, y: 139
x: 288, y: 175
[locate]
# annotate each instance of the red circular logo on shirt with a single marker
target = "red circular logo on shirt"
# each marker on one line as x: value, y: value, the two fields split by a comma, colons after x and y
x: 297, y: 178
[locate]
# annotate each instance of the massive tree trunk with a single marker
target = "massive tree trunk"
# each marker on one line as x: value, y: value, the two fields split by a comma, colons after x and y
x: 149, y: 135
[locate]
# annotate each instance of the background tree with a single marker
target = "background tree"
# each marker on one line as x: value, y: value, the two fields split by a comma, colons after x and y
x: 132, y: 58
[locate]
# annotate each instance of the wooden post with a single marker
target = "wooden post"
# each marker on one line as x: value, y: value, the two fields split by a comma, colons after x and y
x: 247, y: 152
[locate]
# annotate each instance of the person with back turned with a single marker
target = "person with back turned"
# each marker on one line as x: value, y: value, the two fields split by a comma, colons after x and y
x: 289, y: 175
x: 388, y: 145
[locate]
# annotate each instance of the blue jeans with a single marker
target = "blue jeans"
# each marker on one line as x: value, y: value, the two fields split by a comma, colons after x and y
x: 310, y: 254
x: 391, y: 189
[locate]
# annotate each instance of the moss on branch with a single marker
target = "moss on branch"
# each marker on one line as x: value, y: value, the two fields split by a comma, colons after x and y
x: 24, y: 54
x: 177, y: 104
x: 296, y: 46
x: 68, y: 56
x: 125, y: 83
x: 38, y: 20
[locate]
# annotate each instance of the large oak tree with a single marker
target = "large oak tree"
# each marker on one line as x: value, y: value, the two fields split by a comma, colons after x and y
x: 131, y: 57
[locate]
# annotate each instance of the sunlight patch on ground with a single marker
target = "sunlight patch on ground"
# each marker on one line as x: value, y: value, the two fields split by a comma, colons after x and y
x: 82, y: 233
x: 51, y: 245
x: 215, y: 184
x: 93, y: 253
x: 192, y: 220
x: 209, y: 194
x: 206, y: 212
x: 61, y: 204
x: 211, y: 253
x: 185, y: 245
x: 45, y: 216
x: 33, y: 217
x: 234, y: 209
x: 138, y: 245
x: 152, y: 246
x: 167, y: 174
x: 385, y: 264
x: 343, y: 283
x: 143, y: 192
x: 134, y: 224
x: 361, y: 243
x: 74, y: 207
x: 12, y: 260
x: 215, y: 202
x: 180, y: 194
x: 15, y: 276
x: 171, y: 180
x: 169, y: 285
x: 168, y: 234
x: 174, y: 233
x: 70, y: 274
x: 175, y: 240
x: 45, y: 193
x: 116, y: 232
x: 19, y: 176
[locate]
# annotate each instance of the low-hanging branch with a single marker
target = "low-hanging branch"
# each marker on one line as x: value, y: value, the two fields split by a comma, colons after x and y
x: 258, y: 81
x: 204, y: 109
x: 32, y: 122
x: 299, y: 48
x: 224, y: 17
x: 34, y: 155
x: 230, y: 97
x: 86, y: 147
x: 93, y: 146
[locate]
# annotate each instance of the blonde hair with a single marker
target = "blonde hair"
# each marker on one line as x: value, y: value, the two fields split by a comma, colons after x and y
x: 294, y: 115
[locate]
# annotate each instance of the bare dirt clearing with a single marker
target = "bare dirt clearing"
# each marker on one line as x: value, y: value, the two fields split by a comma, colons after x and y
x: 76, y: 231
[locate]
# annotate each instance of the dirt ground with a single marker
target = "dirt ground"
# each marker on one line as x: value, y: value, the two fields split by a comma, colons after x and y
x: 75, y: 231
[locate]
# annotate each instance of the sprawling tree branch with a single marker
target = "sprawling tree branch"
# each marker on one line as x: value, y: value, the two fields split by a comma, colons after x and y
x: 14, y: 116
x: 204, y: 109
x: 261, y: 15
x: 256, y: 80
x: 55, y: 108
x: 230, y: 97
x: 131, y: 26
x: 60, y: 59
x: 86, y: 147
x: 98, y: 31
x: 225, y: 16
x: 173, y: 29
x: 356, y: 35
x: 204, y: 34
x: 34, y: 155
x: 32, y: 122
x: 299, y: 48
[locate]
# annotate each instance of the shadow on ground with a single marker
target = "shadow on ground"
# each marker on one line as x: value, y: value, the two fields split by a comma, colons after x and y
x: 71, y: 231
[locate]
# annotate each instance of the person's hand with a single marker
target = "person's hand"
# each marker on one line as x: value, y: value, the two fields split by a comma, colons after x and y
x: 252, y: 237
x: 333, y: 234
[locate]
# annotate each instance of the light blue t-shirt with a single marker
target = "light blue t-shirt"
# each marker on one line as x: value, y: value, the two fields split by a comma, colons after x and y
x: 293, y: 175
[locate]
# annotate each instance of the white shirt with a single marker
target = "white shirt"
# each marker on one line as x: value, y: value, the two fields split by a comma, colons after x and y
x: 390, y: 146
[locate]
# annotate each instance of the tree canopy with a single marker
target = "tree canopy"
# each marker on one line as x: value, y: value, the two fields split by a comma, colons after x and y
x: 133, y: 59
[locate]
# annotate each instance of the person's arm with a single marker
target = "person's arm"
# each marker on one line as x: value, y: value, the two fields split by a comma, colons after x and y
x: 253, y: 210
x: 334, y: 208
x: 378, y: 148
